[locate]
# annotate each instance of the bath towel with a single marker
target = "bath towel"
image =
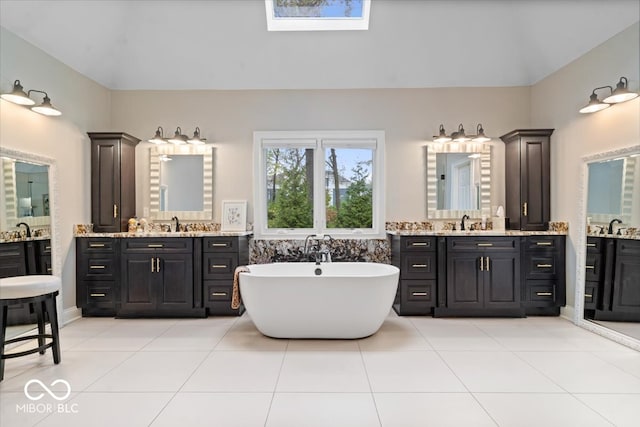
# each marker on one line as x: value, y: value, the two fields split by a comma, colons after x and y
x: 236, y: 299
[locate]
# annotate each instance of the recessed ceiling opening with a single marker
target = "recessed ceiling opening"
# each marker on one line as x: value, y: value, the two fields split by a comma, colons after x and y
x: 317, y: 15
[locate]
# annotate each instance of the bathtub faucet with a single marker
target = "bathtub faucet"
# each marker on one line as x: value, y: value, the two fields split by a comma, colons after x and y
x: 313, y: 245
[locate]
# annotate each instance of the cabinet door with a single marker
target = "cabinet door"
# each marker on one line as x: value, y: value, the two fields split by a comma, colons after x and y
x: 501, y: 281
x: 534, y: 182
x: 105, y: 185
x: 464, y: 281
x: 175, y: 281
x: 626, y: 285
x: 138, y: 281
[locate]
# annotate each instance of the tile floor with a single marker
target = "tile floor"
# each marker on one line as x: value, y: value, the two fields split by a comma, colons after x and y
x: 414, y: 372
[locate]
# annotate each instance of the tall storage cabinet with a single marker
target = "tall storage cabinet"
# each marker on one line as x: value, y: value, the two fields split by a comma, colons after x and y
x: 113, y: 188
x: 527, y: 175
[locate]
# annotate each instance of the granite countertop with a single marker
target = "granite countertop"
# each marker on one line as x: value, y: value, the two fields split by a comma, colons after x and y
x: 476, y: 233
x: 634, y: 236
x: 25, y: 239
x: 125, y: 235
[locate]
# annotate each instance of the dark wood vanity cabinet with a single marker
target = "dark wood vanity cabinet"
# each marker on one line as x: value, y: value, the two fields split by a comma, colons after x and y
x: 527, y: 178
x: 12, y: 259
x: 220, y: 257
x: 113, y: 188
x: 625, y: 299
x: 543, y: 274
x: 594, y: 273
x: 482, y: 277
x: 157, y: 278
x: 97, y: 276
x: 416, y: 258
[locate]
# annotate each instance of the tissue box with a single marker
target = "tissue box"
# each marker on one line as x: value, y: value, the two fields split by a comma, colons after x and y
x: 499, y: 223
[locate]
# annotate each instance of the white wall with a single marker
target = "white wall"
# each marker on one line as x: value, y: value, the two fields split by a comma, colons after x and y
x: 85, y: 106
x: 555, y: 102
x: 410, y: 117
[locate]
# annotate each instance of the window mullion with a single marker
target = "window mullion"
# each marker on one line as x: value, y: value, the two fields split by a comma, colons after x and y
x: 319, y: 203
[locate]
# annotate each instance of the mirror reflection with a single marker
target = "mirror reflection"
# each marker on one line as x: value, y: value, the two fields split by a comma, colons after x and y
x: 458, y: 180
x: 24, y: 186
x: 181, y: 182
x: 612, y: 258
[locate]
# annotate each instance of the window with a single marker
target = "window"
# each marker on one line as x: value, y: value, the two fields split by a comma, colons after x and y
x: 319, y: 182
x: 317, y: 15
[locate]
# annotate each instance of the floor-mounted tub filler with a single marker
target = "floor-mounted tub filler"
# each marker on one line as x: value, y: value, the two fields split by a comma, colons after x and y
x: 339, y: 300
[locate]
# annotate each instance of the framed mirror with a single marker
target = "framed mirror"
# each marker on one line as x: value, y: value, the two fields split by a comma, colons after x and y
x: 458, y: 180
x: 28, y: 189
x: 610, y: 183
x: 181, y: 182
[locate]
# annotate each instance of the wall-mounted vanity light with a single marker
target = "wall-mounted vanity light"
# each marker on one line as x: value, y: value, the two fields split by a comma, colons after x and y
x: 620, y: 94
x: 460, y: 136
x: 178, y: 138
x: 18, y: 96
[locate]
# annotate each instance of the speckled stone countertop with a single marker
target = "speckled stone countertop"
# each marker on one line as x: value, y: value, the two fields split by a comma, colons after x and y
x: 125, y: 235
x: 25, y: 239
x: 635, y: 236
x: 494, y: 233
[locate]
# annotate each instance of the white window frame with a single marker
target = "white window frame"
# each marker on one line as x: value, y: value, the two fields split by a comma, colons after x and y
x: 319, y: 141
x: 317, y: 24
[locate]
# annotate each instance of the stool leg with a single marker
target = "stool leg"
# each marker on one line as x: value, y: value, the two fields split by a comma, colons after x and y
x: 39, y: 309
x: 3, y: 330
x: 53, y: 321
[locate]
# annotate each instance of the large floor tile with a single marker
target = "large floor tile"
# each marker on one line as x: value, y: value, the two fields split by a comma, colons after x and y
x: 13, y: 411
x: 395, y: 334
x: 430, y: 409
x: 215, y: 409
x: 623, y: 410
x: 410, y: 371
x: 237, y: 371
x: 323, y: 372
x: 497, y: 372
x: 79, y: 369
x: 126, y: 335
x: 535, y: 410
x: 110, y: 409
x: 188, y: 337
x: 323, y: 345
x: 581, y: 372
x: 628, y: 361
x: 150, y: 372
x: 322, y: 410
x: 243, y: 336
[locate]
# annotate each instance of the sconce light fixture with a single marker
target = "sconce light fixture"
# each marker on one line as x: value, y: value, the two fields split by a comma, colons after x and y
x: 18, y: 96
x: 620, y: 94
x: 461, y: 136
x: 178, y: 138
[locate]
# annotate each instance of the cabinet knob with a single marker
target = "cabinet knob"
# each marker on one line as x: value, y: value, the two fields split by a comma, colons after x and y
x: 486, y: 245
x: 155, y: 245
x: 419, y: 244
x: 591, y: 245
x: 218, y: 245
x: 219, y: 266
x: 588, y: 295
x: 590, y: 267
x: 218, y: 294
x: 115, y: 211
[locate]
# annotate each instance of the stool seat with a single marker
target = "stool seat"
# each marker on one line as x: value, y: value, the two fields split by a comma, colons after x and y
x: 28, y: 286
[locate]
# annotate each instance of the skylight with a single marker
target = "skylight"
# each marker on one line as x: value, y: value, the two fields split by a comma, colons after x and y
x: 317, y: 15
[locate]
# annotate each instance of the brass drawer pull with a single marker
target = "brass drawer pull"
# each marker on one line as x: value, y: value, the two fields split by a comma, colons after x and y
x: 220, y: 245
x: 49, y: 270
x: 544, y: 294
x: 96, y: 245
x: 524, y: 209
x: 155, y: 245
x: 544, y: 243
x: 591, y: 245
x: 97, y: 267
x: 419, y: 244
x: 481, y: 263
x: 47, y: 248
x: 544, y: 265
x: 419, y: 294
x: 115, y: 211
x: 98, y: 295
x: 484, y: 244
x: 590, y: 267
x: 219, y: 266
x: 219, y: 294
x: 419, y: 265
x: 588, y: 295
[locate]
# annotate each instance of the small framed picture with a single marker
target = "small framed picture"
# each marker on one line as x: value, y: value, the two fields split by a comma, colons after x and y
x: 234, y: 215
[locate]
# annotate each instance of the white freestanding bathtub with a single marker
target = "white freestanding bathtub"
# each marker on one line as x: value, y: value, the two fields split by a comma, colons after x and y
x: 331, y: 300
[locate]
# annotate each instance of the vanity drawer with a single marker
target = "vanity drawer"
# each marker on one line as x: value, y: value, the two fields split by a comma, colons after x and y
x: 216, y: 291
x: 220, y: 244
x: 627, y: 247
x: 44, y: 247
x: 417, y: 243
x: 219, y: 266
x: 456, y: 244
x: 543, y: 243
x: 541, y: 266
x: 150, y: 245
x: 97, y: 268
x: 594, y: 267
x: 542, y: 294
x: 417, y: 296
x: 419, y: 266
x: 595, y: 245
x: 590, y: 295
x: 96, y: 296
x: 88, y: 245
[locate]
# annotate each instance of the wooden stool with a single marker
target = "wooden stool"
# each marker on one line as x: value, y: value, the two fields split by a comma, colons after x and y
x: 40, y: 291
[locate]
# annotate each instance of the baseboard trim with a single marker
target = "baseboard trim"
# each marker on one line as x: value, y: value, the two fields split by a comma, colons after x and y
x: 69, y: 315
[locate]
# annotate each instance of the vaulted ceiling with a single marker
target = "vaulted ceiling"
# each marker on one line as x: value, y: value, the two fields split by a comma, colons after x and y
x: 224, y: 44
